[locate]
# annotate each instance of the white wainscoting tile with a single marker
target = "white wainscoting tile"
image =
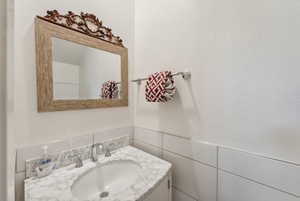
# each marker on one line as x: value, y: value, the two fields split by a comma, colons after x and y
x: 156, y: 151
x: 196, y: 150
x: 35, y: 151
x: 235, y: 188
x: 179, y: 196
x: 192, y: 177
x: 278, y: 174
x: 19, y: 186
x: 79, y: 141
x: 105, y: 135
x: 148, y: 136
x: 118, y: 132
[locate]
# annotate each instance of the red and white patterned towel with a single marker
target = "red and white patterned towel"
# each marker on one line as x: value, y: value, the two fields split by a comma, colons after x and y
x: 160, y: 87
x: 109, y: 90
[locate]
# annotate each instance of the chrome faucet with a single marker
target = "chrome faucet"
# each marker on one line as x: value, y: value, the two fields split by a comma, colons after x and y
x: 78, y: 161
x: 95, y: 151
x: 99, y: 148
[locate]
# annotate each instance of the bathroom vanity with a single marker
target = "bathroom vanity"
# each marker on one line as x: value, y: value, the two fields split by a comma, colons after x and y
x: 129, y: 174
x: 81, y: 64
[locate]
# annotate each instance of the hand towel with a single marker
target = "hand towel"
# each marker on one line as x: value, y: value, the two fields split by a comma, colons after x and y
x: 160, y: 87
x: 110, y: 90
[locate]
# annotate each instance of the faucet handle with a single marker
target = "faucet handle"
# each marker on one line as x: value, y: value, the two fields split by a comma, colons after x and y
x: 109, y: 148
x: 107, y: 153
x: 78, y: 161
x: 98, y: 147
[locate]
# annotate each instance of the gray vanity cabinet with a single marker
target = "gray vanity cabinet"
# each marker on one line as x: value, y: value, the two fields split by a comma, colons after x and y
x: 163, y: 192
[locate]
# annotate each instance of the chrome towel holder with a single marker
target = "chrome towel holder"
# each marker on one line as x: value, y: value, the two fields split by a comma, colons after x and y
x: 185, y: 75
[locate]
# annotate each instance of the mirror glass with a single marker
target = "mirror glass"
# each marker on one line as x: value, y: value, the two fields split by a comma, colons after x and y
x: 82, y: 72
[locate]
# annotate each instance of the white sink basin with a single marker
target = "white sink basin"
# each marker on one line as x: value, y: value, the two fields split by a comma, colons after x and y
x: 111, y: 177
x: 129, y: 174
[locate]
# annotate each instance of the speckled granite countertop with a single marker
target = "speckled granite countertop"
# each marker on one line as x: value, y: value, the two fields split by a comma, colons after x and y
x: 57, y: 186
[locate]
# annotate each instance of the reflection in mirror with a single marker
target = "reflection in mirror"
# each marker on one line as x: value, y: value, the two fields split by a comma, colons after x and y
x: 82, y: 72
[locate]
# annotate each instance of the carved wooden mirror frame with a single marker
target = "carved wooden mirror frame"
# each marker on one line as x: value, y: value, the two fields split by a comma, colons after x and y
x: 47, y: 29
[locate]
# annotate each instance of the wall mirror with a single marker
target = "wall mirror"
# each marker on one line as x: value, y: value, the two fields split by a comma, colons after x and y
x: 80, y: 63
x: 79, y: 71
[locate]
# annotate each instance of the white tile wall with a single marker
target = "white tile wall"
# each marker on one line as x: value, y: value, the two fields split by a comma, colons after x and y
x: 242, y: 176
x: 113, y: 133
x: 234, y: 188
x: 192, y: 177
x: 194, y: 172
x: 277, y: 174
x: 180, y: 196
x: 202, y: 152
x: 156, y: 151
x: 80, y: 141
x: 149, y: 136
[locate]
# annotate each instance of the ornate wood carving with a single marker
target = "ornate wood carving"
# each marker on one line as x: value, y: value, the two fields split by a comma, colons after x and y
x: 85, y: 23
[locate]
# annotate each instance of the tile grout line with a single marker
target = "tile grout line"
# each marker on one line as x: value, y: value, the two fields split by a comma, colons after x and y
x: 133, y: 135
x: 162, y: 146
x: 185, y: 193
x: 226, y: 147
x: 260, y: 155
x: 189, y: 158
x: 217, y: 172
x: 164, y: 133
x: 218, y: 168
x: 175, y: 153
x: 257, y: 182
x: 148, y: 144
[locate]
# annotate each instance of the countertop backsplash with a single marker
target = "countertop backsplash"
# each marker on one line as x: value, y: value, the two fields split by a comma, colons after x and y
x: 67, y: 157
x: 62, y: 152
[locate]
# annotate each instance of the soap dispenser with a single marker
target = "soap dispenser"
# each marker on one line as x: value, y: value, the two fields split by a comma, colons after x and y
x: 46, y: 165
x: 46, y: 158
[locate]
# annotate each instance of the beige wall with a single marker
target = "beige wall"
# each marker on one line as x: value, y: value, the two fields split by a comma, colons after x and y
x: 26, y: 125
x: 33, y: 127
x: 2, y: 100
x: 243, y: 56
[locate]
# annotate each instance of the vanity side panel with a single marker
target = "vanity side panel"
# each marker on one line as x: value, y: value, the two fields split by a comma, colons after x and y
x: 161, y: 192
